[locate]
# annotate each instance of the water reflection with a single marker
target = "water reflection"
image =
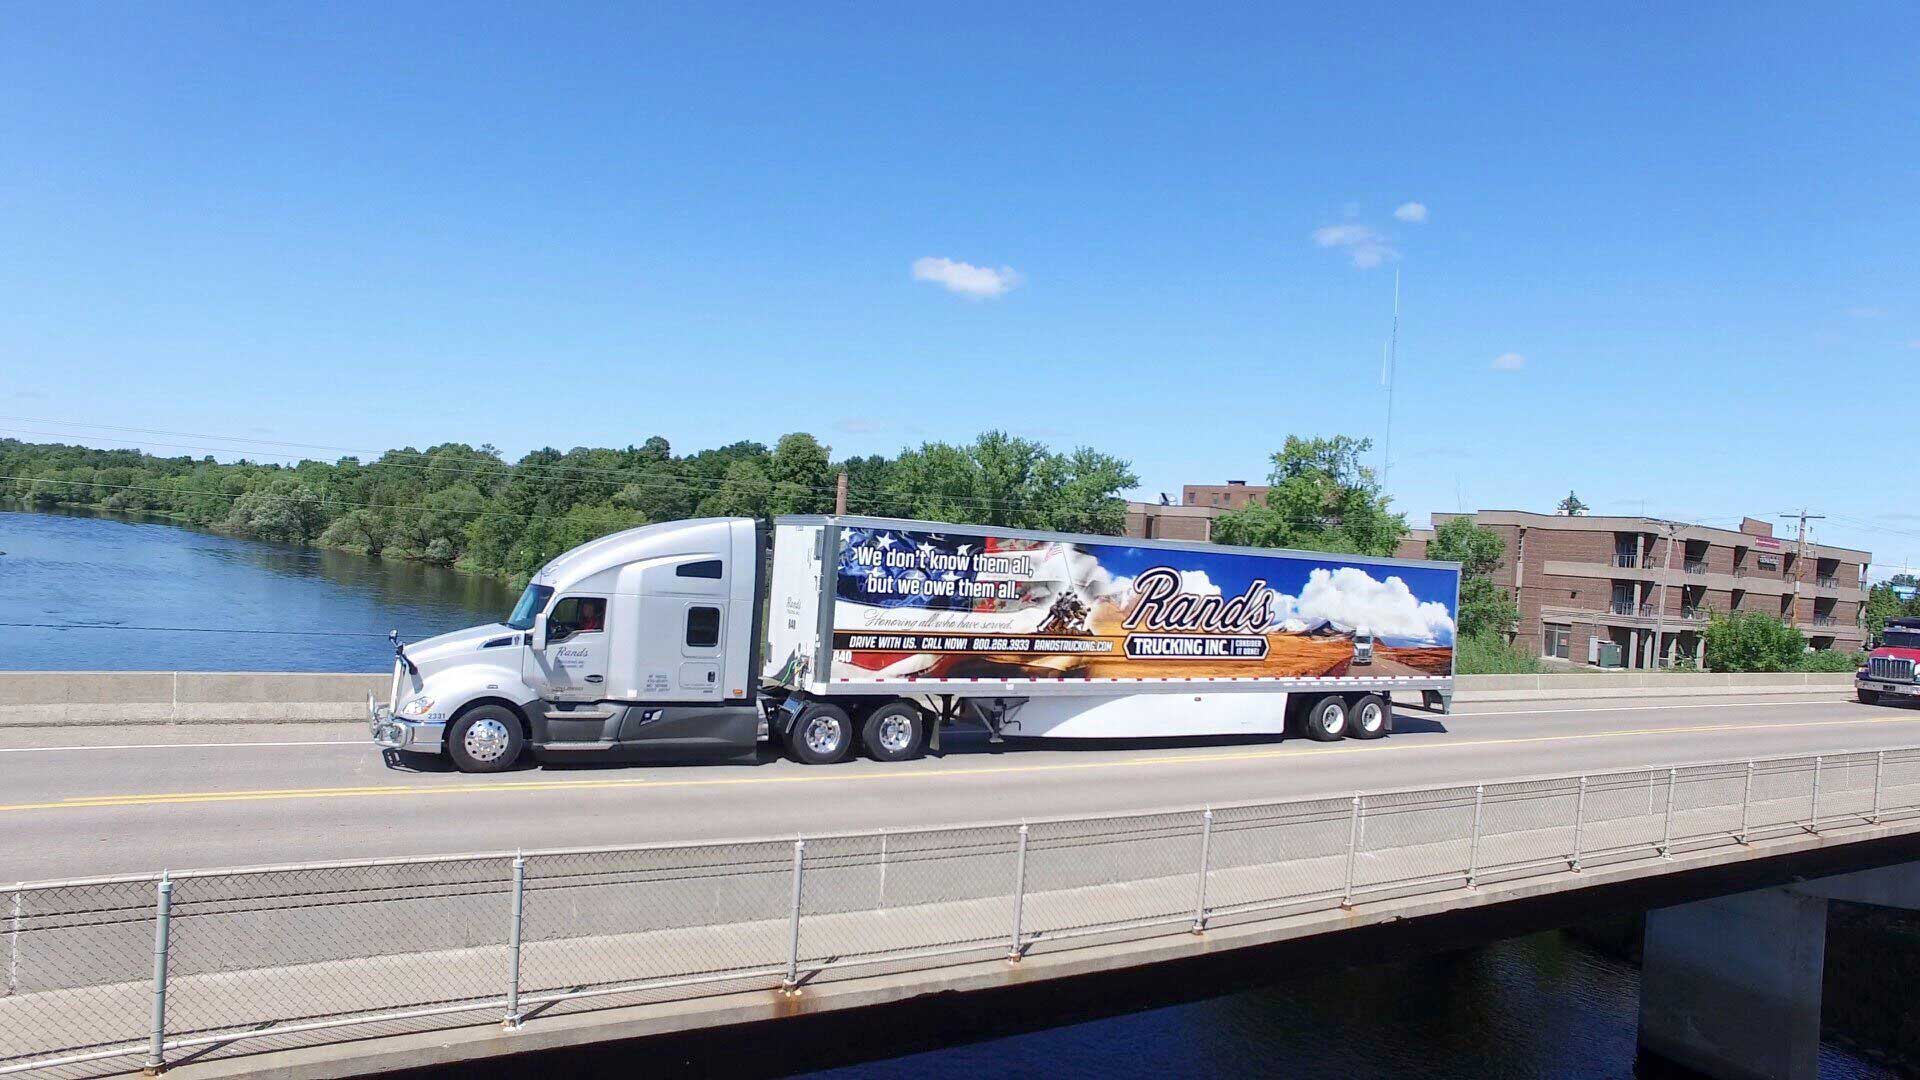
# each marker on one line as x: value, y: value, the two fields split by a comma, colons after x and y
x: 80, y: 567
x: 1540, y: 1006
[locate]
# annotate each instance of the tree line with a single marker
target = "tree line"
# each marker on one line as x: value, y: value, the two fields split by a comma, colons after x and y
x: 459, y: 505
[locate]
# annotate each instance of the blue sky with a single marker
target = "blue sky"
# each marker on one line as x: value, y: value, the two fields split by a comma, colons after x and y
x: 1693, y: 227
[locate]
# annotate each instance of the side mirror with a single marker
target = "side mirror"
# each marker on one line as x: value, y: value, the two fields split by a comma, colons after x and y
x: 537, y: 640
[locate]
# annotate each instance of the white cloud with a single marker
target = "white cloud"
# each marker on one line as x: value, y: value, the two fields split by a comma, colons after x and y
x: 977, y: 282
x: 1414, y: 213
x: 1363, y: 243
x: 1509, y: 361
x: 1351, y: 599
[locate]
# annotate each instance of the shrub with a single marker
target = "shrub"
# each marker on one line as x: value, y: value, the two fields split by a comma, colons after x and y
x: 1752, y: 642
x: 1489, y: 654
x: 1827, y: 660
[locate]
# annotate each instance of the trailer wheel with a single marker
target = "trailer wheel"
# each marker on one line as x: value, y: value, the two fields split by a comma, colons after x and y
x: 1869, y: 697
x: 1326, y: 718
x: 896, y: 731
x: 486, y: 739
x: 1368, y: 717
x: 821, y: 735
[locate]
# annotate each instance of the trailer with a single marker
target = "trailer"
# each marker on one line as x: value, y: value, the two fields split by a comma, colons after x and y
x: 835, y: 635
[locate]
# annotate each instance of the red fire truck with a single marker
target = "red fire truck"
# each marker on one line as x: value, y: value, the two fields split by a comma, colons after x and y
x: 1889, y: 674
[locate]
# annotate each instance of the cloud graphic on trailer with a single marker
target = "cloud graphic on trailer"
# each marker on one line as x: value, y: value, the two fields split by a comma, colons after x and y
x: 1351, y: 598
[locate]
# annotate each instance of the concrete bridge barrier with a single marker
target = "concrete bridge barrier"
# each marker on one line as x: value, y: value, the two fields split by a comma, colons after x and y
x: 60, y: 698
x: 78, y: 698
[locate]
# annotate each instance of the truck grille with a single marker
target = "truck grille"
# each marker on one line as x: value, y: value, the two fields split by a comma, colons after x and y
x: 1890, y: 668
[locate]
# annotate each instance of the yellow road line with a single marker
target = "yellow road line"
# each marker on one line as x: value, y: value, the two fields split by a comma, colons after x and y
x: 826, y: 777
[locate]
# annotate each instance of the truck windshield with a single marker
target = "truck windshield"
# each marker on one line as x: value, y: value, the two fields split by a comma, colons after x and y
x: 532, y: 602
x: 1901, y: 639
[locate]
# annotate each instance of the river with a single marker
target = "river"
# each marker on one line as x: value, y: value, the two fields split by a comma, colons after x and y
x: 93, y: 592
x: 84, y: 592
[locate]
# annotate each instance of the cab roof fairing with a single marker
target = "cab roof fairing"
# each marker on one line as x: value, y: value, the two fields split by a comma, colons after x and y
x: 666, y: 539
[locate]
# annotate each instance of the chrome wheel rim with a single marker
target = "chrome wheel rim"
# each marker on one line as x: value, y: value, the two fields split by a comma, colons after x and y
x: 896, y: 734
x: 486, y: 740
x: 1372, y: 717
x: 1334, y: 719
x: 822, y: 735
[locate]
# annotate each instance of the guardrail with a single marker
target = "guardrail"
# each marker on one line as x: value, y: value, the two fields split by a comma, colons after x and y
x: 148, y: 971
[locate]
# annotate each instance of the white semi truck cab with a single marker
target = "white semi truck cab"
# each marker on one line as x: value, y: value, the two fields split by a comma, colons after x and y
x: 704, y: 638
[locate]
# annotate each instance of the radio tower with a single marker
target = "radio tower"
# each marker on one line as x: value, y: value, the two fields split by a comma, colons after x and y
x: 1389, y: 361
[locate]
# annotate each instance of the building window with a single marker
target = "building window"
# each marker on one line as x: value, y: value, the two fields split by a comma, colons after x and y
x: 1554, y: 643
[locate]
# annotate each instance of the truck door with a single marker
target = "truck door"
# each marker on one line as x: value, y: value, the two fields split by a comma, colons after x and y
x: 701, y: 647
x: 574, y: 665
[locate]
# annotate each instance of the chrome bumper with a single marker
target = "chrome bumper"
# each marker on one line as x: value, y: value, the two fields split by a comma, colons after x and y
x: 398, y: 733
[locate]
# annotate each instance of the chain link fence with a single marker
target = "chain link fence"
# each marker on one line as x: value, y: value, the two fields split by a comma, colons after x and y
x: 109, y: 976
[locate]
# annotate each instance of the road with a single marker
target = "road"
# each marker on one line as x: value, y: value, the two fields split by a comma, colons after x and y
x: 97, y: 801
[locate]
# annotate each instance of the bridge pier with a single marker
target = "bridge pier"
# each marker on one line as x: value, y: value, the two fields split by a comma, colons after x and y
x: 1730, y: 987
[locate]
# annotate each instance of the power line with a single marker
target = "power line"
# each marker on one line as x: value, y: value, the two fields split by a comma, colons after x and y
x: 190, y: 629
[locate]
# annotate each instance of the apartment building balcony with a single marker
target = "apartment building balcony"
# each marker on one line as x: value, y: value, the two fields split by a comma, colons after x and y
x: 1694, y: 567
x: 1827, y: 581
x: 1696, y: 613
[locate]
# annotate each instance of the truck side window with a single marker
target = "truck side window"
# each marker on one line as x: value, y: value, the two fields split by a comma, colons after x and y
x: 703, y: 627
x: 577, y: 615
x: 709, y: 568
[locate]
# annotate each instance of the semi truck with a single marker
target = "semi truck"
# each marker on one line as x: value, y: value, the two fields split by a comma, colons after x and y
x: 1889, y: 673
x: 837, y: 635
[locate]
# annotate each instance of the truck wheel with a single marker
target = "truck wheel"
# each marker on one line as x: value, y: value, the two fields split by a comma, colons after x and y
x: 821, y: 735
x: 895, y: 731
x: 1367, y: 717
x: 1327, y: 718
x: 486, y: 739
x: 1869, y: 697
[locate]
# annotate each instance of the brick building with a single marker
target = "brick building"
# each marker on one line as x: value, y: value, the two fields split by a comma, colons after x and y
x: 1648, y: 586
x: 1193, y: 516
x: 1170, y: 521
x: 1231, y: 495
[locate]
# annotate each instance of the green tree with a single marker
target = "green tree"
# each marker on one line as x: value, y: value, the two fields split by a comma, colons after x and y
x: 1752, y: 641
x: 1883, y: 604
x: 1485, y: 607
x: 283, y: 510
x: 746, y: 491
x: 801, y: 471
x: 1319, y: 498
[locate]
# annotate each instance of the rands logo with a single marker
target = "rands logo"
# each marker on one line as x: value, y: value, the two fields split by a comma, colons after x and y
x: 1160, y: 604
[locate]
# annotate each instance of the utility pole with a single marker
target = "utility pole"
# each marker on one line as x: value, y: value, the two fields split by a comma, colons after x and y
x: 840, y: 495
x: 1800, y: 556
x: 1660, y: 613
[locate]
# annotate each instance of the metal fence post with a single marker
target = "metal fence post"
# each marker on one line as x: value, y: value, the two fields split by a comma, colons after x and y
x: 1813, y: 810
x: 512, y: 1019
x: 792, y: 985
x: 1746, y: 807
x: 162, y: 924
x: 1473, y: 845
x: 1353, y: 850
x: 13, y: 940
x: 1019, y: 895
x: 1666, y: 831
x: 1200, y: 891
x: 1879, y: 767
x: 1579, y: 821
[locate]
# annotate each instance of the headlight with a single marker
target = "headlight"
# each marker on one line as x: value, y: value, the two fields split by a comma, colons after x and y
x: 419, y: 706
